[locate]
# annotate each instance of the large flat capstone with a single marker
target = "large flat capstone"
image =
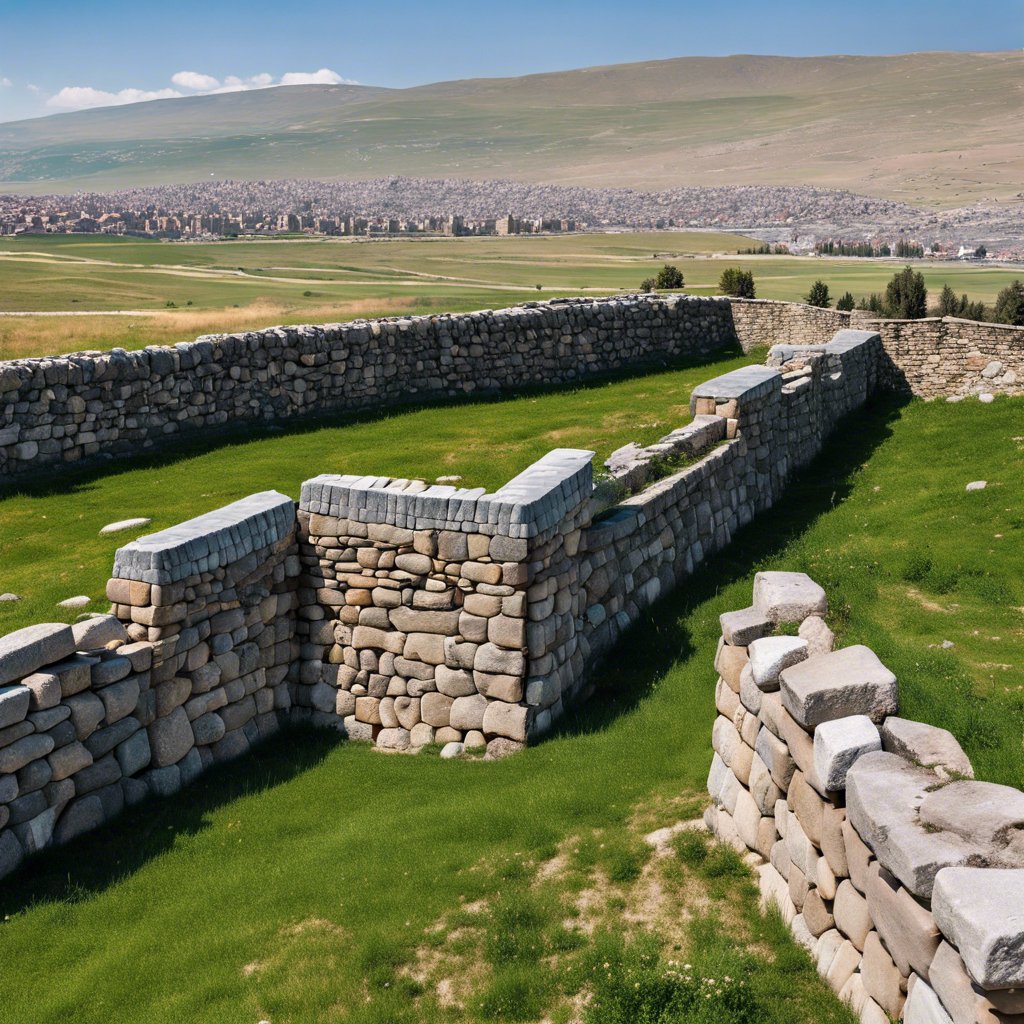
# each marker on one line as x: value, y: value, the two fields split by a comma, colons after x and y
x: 883, y: 797
x: 851, y: 681
x: 26, y: 650
x: 982, y: 812
x: 981, y: 910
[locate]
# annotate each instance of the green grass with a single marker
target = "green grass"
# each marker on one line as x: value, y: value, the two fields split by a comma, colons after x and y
x: 486, y: 443
x: 313, y: 880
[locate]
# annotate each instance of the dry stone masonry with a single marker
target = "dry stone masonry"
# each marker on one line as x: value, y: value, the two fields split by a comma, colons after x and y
x: 397, y: 612
x: 901, y: 875
x: 61, y: 411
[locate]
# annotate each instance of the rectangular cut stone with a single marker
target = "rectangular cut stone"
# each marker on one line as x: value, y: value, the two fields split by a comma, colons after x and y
x: 851, y: 681
x: 981, y: 911
x: 741, y: 627
x: 837, y: 744
x: 788, y: 596
x: 907, y: 928
x: 27, y: 650
x: 927, y: 745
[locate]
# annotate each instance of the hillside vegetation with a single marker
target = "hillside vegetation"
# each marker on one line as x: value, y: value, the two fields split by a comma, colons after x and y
x: 878, y: 125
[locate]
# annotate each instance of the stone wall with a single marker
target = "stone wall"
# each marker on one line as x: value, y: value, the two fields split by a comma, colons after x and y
x: 65, y: 410
x: 395, y: 611
x: 60, y: 411
x: 901, y: 875
x: 191, y: 671
x: 932, y: 358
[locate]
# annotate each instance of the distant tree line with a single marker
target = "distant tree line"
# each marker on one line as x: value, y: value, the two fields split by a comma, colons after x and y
x: 905, y: 296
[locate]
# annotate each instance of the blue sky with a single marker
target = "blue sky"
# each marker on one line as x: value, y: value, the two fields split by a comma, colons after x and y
x: 58, y: 55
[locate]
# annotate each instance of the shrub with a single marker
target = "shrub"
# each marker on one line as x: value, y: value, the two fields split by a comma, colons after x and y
x: 819, y: 296
x: 647, y: 284
x: 1010, y: 305
x: 906, y: 297
x: 738, y: 283
x: 845, y: 302
x: 669, y: 277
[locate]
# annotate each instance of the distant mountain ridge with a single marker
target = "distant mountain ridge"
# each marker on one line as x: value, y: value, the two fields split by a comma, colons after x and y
x: 944, y: 129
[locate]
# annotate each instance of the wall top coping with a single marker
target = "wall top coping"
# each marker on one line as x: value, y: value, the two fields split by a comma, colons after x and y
x: 746, y: 382
x: 842, y: 342
x: 208, y: 542
x: 531, y: 502
x: 96, y: 365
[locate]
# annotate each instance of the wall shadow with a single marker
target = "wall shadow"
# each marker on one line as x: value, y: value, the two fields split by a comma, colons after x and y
x: 93, y: 861
x: 67, y: 479
x: 646, y: 651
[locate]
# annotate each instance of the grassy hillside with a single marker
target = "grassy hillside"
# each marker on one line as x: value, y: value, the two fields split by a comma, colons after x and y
x: 941, y: 128
x: 229, y: 286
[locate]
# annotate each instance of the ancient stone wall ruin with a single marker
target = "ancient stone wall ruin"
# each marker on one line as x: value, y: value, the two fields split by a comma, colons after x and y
x: 901, y: 875
x: 931, y: 358
x: 62, y: 411
x: 395, y: 611
x: 67, y: 409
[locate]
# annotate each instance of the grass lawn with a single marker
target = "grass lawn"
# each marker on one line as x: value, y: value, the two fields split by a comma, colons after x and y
x: 316, y: 881
x: 174, y: 292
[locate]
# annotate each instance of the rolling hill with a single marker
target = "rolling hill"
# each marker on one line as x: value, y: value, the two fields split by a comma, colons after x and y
x: 944, y: 129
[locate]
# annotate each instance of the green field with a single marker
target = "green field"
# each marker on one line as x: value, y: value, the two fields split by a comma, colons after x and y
x: 245, y: 285
x: 317, y: 881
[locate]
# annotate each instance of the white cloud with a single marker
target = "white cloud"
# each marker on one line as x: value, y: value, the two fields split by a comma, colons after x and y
x: 194, y: 80
x: 33, y: 88
x: 81, y: 97
x: 325, y: 76
x: 6, y: 83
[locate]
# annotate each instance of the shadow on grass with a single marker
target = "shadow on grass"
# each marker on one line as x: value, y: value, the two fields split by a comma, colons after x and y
x: 66, y: 480
x: 98, y: 859
x: 627, y: 674
x: 642, y: 656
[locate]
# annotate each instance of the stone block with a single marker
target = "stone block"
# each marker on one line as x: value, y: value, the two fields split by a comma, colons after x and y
x: 906, y: 927
x: 981, y: 812
x: 507, y: 720
x: 770, y: 655
x: 850, y: 910
x: 742, y: 627
x: 929, y: 746
x: 882, y: 978
x: 729, y: 663
x: 820, y: 639
x: 66, y: 760
x: 851, y: 681
x: 435, y: 709
x: 883, y: 797
x: 44, y: 688
x: 981, y: 911
x: 27, y: 650
x: 98, y: 631
x: 838, y: 743
x: 923, y: 1006
x: 788, y: 596
x: 23, y: 751
x: 170, y: 738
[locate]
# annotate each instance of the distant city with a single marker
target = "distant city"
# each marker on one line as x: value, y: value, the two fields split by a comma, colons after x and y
x: 802, y: 220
